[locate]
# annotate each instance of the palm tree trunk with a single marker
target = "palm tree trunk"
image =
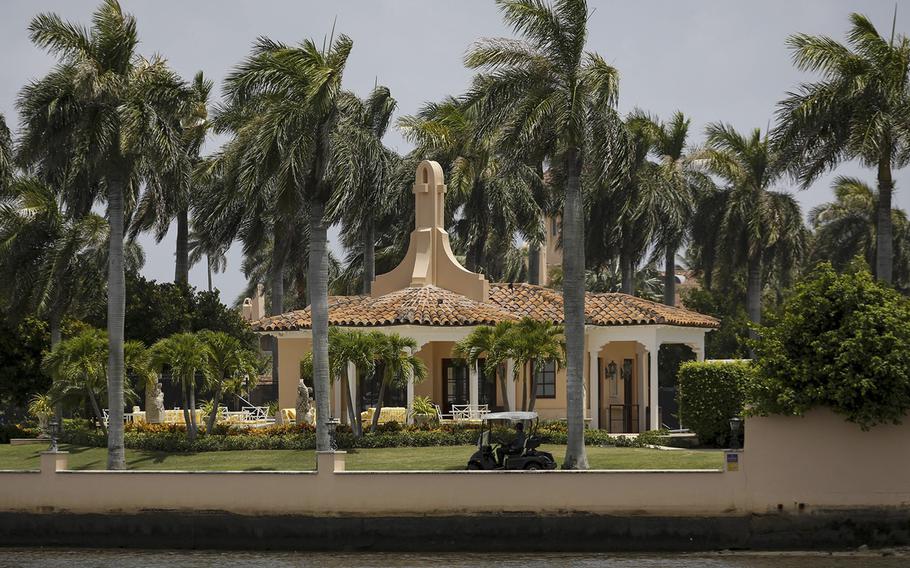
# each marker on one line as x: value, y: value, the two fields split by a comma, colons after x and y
x: 574, y: 312
x: 182, y: 262
x: 369, y: 256
x: 625, y: 269
x: 524, y: 386
x: 276, y: 283
x: 96, y: 409
x: 185, y: 392
x: 194, y: 430
x: 753, y: 295
x: 884, y: 243
x: 116, y: 308
x: 503, y: 384
x: 54, y: 324
x: 208, y: 269
x: 300, y: 282
x: 319, y: 312
x: 213, y: 417
x: 378, y: 410
x: 533, y: 398
x: 670, y: 276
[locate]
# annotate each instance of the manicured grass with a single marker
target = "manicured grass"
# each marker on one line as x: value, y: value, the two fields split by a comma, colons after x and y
x: 386, y: 459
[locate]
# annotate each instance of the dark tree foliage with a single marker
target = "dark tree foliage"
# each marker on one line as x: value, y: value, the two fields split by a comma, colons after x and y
x: 21, y: 348
x: 730, y: 340
x: 841, y: 341
x: 157, y: 310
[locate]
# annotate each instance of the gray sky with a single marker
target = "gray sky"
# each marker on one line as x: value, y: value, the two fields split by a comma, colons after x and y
x: 715, y: 60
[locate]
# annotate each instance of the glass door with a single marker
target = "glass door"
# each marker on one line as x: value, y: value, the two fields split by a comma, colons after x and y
x: 454, y: 383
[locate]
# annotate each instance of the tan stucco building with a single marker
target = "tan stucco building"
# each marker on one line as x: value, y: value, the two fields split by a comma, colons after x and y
x: 431, y: 298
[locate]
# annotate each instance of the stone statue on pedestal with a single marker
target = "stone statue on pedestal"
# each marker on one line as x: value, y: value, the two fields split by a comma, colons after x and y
x: 154, y: 404
x: 305, y: 410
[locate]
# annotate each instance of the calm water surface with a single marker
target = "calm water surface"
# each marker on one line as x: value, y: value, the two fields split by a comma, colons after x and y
x: 197, y: 559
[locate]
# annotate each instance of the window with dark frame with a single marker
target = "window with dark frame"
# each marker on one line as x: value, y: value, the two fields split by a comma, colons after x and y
x: 545, y: 378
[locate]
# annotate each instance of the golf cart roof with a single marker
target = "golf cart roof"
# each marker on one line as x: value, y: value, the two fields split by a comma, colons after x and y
x: 510, y: 416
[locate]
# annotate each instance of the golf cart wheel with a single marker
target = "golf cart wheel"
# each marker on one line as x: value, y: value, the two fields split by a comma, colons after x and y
x: 474, y: 466
x: 533, y: 466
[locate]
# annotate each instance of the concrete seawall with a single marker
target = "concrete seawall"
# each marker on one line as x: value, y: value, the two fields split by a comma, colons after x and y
x: 801, y: 482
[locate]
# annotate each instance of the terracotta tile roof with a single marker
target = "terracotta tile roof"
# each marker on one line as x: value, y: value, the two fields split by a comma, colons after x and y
x: 430, y: 305
x: 600, y: 309
x: 425, y: 305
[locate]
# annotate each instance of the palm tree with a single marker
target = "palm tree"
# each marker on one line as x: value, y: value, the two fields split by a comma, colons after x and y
x: 78, y: 367
x: 361, y: 349
x: 290, y: 99
x: 398, y: 363
x: 228, y: 367
x: 541, y: 86
x: 490, y: 343
x: 363, y: 172
x: 215, y: 256
x: 100, y: 121
x: 169, y: 193
x: 184, y: 354
x: 492, y: 191
x: 859, y: 109
x: 534, y: 344
x: 757, y: 225
x: 50, y: 263
x: 678, y: 181
x: 845, y: 228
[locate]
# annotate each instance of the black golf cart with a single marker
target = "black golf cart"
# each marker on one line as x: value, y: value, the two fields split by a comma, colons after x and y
x: 495, y: 453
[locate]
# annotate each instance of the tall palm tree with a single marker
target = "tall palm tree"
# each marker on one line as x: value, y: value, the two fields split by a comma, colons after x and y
x: 215, y: 256
x: 169, y: 193
x: 545, y: 85
x: 398, y: 363
x: 845, y: 228
x: 289, y: 101
x: 184, y: 354
x: 363, y: 171
x: 859, y: 109
x: 100, y: 121
x: 228, y: 367
x: 533, y: 345
x: 493, y: 192
x: 678, y: 181
x: 757, y: 225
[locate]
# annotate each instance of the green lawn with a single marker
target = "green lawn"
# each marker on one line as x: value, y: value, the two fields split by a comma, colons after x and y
x: 434, y: 458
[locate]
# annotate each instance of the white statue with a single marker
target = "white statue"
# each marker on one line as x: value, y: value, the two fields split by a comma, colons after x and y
x: 305, y: 410
x: 154, y: 404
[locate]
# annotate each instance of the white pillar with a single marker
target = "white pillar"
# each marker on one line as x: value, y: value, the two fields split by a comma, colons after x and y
x: 410, y: 372
x: 336, y: 388
x: 593, y: 389
x: 641, y: 381
x: 510, y: 383
x: 473, y: 385
x: 352, y: 387
x: 652, y: 383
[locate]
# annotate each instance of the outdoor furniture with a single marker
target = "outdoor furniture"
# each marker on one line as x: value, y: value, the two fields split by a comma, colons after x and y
x: 465, y: 412
x: 442, y: 417
x: 387, y: 414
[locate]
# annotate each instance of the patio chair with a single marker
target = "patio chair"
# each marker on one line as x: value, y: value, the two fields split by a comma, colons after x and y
x: 442, y: 417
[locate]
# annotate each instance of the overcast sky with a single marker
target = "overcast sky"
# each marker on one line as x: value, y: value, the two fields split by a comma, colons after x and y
x: 715, y: 60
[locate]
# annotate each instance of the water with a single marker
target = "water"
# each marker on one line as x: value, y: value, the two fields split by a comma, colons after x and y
x: 83, y: 558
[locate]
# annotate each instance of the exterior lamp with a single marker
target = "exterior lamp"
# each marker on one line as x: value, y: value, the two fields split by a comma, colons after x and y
x: 333, y: 423
x: 611, y: 370
x: 736, y: 424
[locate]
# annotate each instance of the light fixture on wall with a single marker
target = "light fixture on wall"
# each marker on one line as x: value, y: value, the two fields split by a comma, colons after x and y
x: 611, y: 370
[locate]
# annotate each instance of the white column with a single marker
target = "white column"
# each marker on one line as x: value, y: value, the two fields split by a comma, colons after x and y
x: 473, y: 385
x: 641, y: 363
x: 593, y: 389
x: 510, y: 383
x: 410, y: 390
x: 352, y: 387
x: 652, y: 383
x: 336, y: 388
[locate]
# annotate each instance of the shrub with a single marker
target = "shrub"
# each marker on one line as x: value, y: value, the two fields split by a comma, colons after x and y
x: 841, y: 341
x: 710, y: 394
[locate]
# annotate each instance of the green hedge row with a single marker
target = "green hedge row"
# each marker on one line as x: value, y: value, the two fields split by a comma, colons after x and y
x: 710, y: 394
x: 286, y: 439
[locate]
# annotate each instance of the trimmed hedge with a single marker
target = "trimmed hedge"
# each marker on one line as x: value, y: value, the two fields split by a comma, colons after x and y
x: 710, y: 394
x: 172, y: 437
